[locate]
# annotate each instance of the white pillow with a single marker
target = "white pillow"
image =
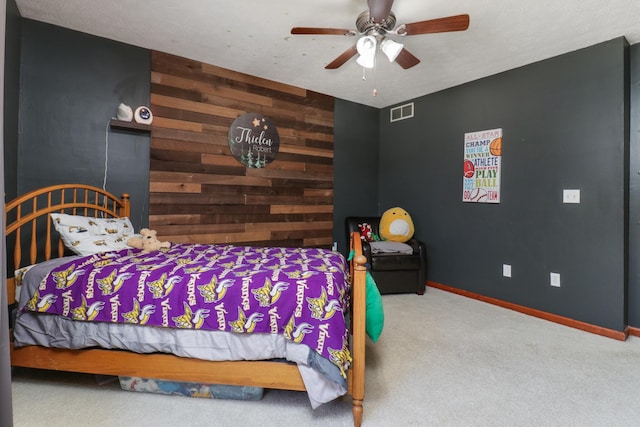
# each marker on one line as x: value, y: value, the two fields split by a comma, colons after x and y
x: 87, y: 236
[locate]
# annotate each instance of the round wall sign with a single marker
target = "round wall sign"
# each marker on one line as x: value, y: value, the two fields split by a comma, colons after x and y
x: 254, y: 140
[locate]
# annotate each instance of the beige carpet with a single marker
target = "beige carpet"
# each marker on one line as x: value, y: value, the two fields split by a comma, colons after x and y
x: 442, y: 360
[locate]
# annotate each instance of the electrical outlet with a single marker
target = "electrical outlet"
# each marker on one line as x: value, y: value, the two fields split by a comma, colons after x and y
x: 506, y: 270
x: 571, y: 196
x: 554, y: 279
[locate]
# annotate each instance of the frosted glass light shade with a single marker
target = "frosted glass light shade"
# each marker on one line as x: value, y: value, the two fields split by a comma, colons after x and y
x: 391, y: 49
x: 366, y: 47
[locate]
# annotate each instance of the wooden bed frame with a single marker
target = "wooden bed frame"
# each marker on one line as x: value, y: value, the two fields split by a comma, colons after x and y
x: 27, y: 218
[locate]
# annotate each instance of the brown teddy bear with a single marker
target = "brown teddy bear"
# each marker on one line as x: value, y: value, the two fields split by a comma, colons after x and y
x: 148, y: 242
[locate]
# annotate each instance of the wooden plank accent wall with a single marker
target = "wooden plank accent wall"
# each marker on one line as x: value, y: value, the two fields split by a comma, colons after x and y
x: 200, y: 193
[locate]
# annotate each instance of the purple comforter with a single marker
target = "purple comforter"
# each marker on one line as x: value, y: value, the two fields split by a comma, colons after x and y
x: 301, y: 293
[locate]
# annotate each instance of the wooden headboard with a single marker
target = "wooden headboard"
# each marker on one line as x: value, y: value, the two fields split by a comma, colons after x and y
x: 27, y: 220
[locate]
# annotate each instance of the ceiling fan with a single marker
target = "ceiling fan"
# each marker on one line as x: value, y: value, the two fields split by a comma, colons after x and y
x: 375, y: 25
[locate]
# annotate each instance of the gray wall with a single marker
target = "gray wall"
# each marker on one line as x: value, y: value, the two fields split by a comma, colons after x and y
x: 71, y: 85
x: 564, y: 124
x: 355, y: 165
x: 6, y: 410
x: 11, y: 93
x: 633, y: 296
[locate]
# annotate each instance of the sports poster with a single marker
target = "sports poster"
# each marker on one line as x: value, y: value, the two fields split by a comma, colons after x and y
x: 482, y: 161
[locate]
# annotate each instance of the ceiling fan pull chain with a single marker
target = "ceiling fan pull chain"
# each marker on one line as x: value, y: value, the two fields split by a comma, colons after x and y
x: 364, y: 73
x: 374, y: 92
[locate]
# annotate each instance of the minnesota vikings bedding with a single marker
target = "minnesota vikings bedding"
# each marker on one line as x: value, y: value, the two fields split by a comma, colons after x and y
x: 214, y: 302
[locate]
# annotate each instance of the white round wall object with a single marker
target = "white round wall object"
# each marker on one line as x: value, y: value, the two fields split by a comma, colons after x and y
x: 143, y: 115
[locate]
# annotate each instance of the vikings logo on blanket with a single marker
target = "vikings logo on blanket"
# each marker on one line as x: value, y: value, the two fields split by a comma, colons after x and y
x: 300, y: 293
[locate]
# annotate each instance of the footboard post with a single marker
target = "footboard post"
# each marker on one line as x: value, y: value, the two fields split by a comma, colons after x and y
x: 358, y: 332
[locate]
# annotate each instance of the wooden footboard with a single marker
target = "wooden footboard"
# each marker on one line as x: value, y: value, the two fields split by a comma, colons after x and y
x: 81, y: 200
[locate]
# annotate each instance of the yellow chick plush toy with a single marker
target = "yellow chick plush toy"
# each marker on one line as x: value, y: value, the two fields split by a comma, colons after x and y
x: 396, y: 225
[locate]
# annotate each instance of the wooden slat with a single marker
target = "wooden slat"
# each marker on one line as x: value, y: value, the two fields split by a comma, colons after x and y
x: 219, y: 237
x: 307, y: 151
x: 216, y: 159
x: 275, y: 209
x: 161, y: 220
x: 206, y: 178
x: 289, y: 166
x: 210, y: 147
x: 181, y: 135
x: 312, y: 167
x: 200, y: 228
x: 314, y: 192
x: 163, y: 187
x: 294, y: 226
x: 303, y: 134
x: 177, y: 124
x: 289, y: 174
x: 198, y: 107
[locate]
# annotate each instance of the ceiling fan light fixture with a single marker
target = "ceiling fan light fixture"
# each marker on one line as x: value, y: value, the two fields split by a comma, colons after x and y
x: 366, y: 47
x: 391, y: 49
x: 366, y: 61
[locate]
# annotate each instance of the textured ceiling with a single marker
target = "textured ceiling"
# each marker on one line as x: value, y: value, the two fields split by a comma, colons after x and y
x: 253, y: 37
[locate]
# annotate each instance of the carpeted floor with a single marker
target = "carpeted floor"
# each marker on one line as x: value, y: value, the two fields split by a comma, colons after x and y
x: 442, y: 360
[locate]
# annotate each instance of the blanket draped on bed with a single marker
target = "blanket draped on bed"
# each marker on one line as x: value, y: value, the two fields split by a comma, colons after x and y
x: 300, y: 293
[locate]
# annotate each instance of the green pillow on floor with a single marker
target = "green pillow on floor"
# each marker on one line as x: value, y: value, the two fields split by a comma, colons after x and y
x: 375, y: 311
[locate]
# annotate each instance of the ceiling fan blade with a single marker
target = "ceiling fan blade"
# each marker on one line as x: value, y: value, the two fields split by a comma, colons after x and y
x: 379, y: 10
x: 439, y: 25
x: 331, y: 31
x: 406, y: 59
x: 344, y: 57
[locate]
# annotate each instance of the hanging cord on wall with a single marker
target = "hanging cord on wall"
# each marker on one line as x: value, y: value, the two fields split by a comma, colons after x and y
x: 146, y: 198
x: 106, y: 155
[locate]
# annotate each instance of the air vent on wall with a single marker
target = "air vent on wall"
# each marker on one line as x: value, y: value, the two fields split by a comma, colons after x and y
x: 401, y: 112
